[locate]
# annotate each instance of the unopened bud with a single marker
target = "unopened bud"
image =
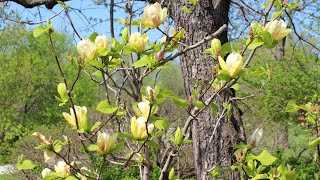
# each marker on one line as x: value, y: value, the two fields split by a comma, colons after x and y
x: 256, y: 137
x: 159, y: 55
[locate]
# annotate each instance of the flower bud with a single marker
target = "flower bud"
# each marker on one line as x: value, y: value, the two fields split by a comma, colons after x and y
x: 83, y: 120
x: 172, y: 175
x: 62, y: 90
x: 159, y: 55
x: 277, y: 29
x: 138, y: 41
x: 233, y: 64
x: 101, y: 42
x: 105, y: 142
x: 62, y: 168
x: 216, y: 48
x: 41, y: 138
x: 150, y: 92
x: 178, y: 137
x: 45, y: 172
x: 154, y: 15
x: 256, y: 137
x: 139, y: 129
x: 86, y: 49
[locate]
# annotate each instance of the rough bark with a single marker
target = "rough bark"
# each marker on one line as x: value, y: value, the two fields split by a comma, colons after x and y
x: 280, y: 49
x: 208, y: 16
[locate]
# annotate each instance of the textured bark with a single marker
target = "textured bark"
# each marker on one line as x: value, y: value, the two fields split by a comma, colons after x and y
x: 33, y: 3
x: 208, y: 16
x: 280, y: 49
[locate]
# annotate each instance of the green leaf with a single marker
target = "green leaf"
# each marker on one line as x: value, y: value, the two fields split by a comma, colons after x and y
x: 96, y: 125
x: 71, y: 178
x: 161, y: 124
x: 38, y: 31
x: 260, y: 176
x: 226, y: 48
x: 266, y: 158
x: 214, y: 109
x: 180, y: 102
x: 153, y: 144
x: 292, y: 107
x: 148, y: 61
x: 293, y: 5
x: 106, y: 108
x: 186, y: 9
x: 314, y: 143
x: 125, y: 135
x: 92, y: 147
x: 254, y: 45
x: 224, y: 76
x: 118, y: 148
x: 194, y: 2
x: 95, y: 63
x: 93, y: 36
x: 26, y: 164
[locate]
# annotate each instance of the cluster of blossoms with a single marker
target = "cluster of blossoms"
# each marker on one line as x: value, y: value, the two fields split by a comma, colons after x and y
x: 139, y: 127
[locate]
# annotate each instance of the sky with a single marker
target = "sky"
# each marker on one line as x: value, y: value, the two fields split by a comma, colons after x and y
x: 86, y: 16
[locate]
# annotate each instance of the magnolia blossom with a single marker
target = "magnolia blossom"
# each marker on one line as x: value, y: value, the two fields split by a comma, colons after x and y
x: 138, y: 41
x: 233, y: 64
x: 105, y: 142
x: 139, y: 128
x: 154, y: 15
x: 87, y: 49
x: 45, y: 172
x: 277, y: 29
x: 62, y: 168
x: 151, y: 92
x: 41, y: 138
x: 83, y: 121
x: 101, y: 42
x: 48, y: 156
x: 144, y: 108
x: 256, y: 137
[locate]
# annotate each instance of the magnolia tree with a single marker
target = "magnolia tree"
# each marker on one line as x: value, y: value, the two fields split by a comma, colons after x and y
x: 121, y: 65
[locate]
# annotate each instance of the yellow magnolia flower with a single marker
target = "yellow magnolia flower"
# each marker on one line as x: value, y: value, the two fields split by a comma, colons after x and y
x: 62, y: 168
x: 45, y: 172
x: 144, y: 108
x: 41, y: 138
x: 151, y: 93
x: 139, y: 128
x: 138, y: 41
x: 83, y: 121
x: 233, y: 64
x: 277, y: 29
x: 105, y: 142
x: 87, y: 49
x: 101, y: 42
x: 48, y: 156
x: 154, y: 15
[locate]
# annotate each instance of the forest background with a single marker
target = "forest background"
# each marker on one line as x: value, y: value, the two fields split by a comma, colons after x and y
x: 28, y: 82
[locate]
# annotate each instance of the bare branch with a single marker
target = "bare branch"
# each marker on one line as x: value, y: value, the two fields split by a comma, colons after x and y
x: 33, y: 3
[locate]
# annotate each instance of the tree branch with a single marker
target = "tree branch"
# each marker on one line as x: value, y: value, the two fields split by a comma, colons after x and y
x: 33, y: 3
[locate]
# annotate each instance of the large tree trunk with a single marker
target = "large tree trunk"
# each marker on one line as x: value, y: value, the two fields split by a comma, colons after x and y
x: 207, y: 17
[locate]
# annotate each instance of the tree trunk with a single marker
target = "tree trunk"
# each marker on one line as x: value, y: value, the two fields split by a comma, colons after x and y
x: 280, y: 49
x: 207, y: 17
